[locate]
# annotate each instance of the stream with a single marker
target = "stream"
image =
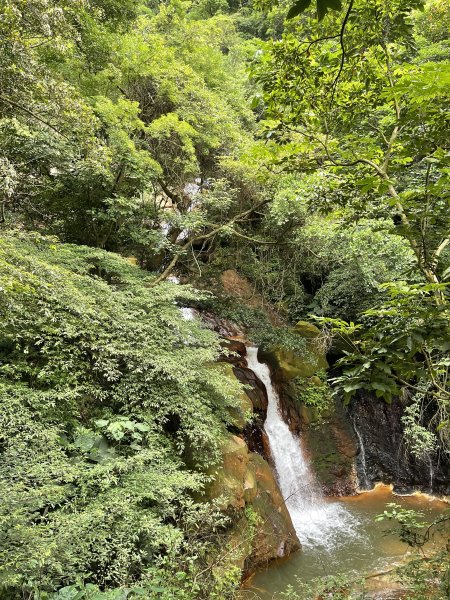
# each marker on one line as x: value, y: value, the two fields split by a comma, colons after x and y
x: 337, y: 535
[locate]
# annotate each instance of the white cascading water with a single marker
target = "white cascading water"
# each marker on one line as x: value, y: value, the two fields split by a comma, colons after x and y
x: 363, y: 481
x: 316, y: 521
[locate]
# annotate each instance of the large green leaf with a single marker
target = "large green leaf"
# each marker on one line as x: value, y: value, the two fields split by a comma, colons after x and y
x: 298, y: 8
x: 322, y: 7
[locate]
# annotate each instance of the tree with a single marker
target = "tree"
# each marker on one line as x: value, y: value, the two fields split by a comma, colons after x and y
x: 372, y: 115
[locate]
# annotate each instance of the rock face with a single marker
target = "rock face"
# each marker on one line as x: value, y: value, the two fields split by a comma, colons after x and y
x: 332, y: 448
x: 275, y: 534
x: 287, y: 364
x: 256, y: 390
x: 223, y: 327
x: 244, y: 480
x: 328, y: 438
x: 383, y: 455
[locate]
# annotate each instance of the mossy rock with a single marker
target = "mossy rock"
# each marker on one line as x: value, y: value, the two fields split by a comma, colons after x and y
x: 238, y: 546
x: 244, y: 480
x: 241, y: 414
x: 275, y: 534
x: 332, y: 449
x: 291, y: 364
x: 229, y: 476
x: 307, y: 330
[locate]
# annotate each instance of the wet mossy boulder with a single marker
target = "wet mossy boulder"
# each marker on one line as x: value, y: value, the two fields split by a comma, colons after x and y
x: 246, y: 486
x: 307, y: 330
x: 274, y: 532
x: 229, y: 476
x: 332, y: 449
x: 288, y: 364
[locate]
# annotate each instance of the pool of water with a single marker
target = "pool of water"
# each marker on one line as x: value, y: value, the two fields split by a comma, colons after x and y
x: 364, y: 548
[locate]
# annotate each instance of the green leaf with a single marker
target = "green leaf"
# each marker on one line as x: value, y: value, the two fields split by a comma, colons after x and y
x: 142, y: 427
x: 324, y: 5
x: 298, y: 8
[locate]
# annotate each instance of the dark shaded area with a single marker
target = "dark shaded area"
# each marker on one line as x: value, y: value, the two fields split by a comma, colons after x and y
x: 385, y: 457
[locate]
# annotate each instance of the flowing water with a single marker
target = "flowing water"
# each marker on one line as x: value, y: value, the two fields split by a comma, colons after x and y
x: 318, y: 523
x: 337, y: 535
x: 363, y: 482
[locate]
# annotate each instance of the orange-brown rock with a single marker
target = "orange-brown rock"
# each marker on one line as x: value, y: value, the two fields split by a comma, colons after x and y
x: 244, y: 480
x: 275, y: 534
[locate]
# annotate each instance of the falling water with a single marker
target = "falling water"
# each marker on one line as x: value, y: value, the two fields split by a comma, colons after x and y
x: 188, y: 313
x: 363, y: 482
x: 430, y: 463
x: 318, y: 523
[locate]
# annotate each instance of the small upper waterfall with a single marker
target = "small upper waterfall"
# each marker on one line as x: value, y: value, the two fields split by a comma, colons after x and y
x: 316, y: 521
x: 363, y: 480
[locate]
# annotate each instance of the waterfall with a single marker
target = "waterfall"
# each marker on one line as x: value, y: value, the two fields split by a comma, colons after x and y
x: 363, y: 482
x: 431, y: 471
x: 188, y: 313
x: 317, y: 521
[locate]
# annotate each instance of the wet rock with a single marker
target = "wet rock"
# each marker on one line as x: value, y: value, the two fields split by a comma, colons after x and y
x: 275, y: 534
x: 244, y: 480
x: 223, y: 327
x: 386, y: 456
x: 332, y: 448
x: 257, y: 390
x: 235, y: 351
x: 229, y: 476
x: 256, y: 438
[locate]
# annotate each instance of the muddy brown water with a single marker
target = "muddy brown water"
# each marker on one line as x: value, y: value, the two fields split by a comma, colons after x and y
x: 367, y: 550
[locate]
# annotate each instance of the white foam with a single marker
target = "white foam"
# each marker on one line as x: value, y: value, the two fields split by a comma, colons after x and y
x: 317, y: 521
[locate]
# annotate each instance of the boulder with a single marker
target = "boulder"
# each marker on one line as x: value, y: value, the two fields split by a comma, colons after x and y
x: 235, y: 285
x: 229, y: 475
x: 246, y: 486
x: 275, y: 534
x: 288, y: 365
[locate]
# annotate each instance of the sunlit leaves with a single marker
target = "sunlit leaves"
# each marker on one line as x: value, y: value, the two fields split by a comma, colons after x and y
x: 105, y: 391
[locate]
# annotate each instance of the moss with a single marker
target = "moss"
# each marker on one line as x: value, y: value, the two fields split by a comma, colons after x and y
x: 229, y: 476
x: 294, y: 363
x: 240, y: 415
x: 332, y: 449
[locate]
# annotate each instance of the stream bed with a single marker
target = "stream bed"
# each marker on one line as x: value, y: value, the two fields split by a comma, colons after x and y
x: 365, y: 549
x: 338, y: 536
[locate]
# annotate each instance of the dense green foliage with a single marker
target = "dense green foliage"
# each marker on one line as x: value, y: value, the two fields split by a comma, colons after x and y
x: 362, y: 106
x: 302, y: 144
x: 110, y: 414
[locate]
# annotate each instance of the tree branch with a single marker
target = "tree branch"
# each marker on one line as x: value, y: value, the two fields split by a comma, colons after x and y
x: 205, y: 236
x: 34, y: 115
x: 343, y: 55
